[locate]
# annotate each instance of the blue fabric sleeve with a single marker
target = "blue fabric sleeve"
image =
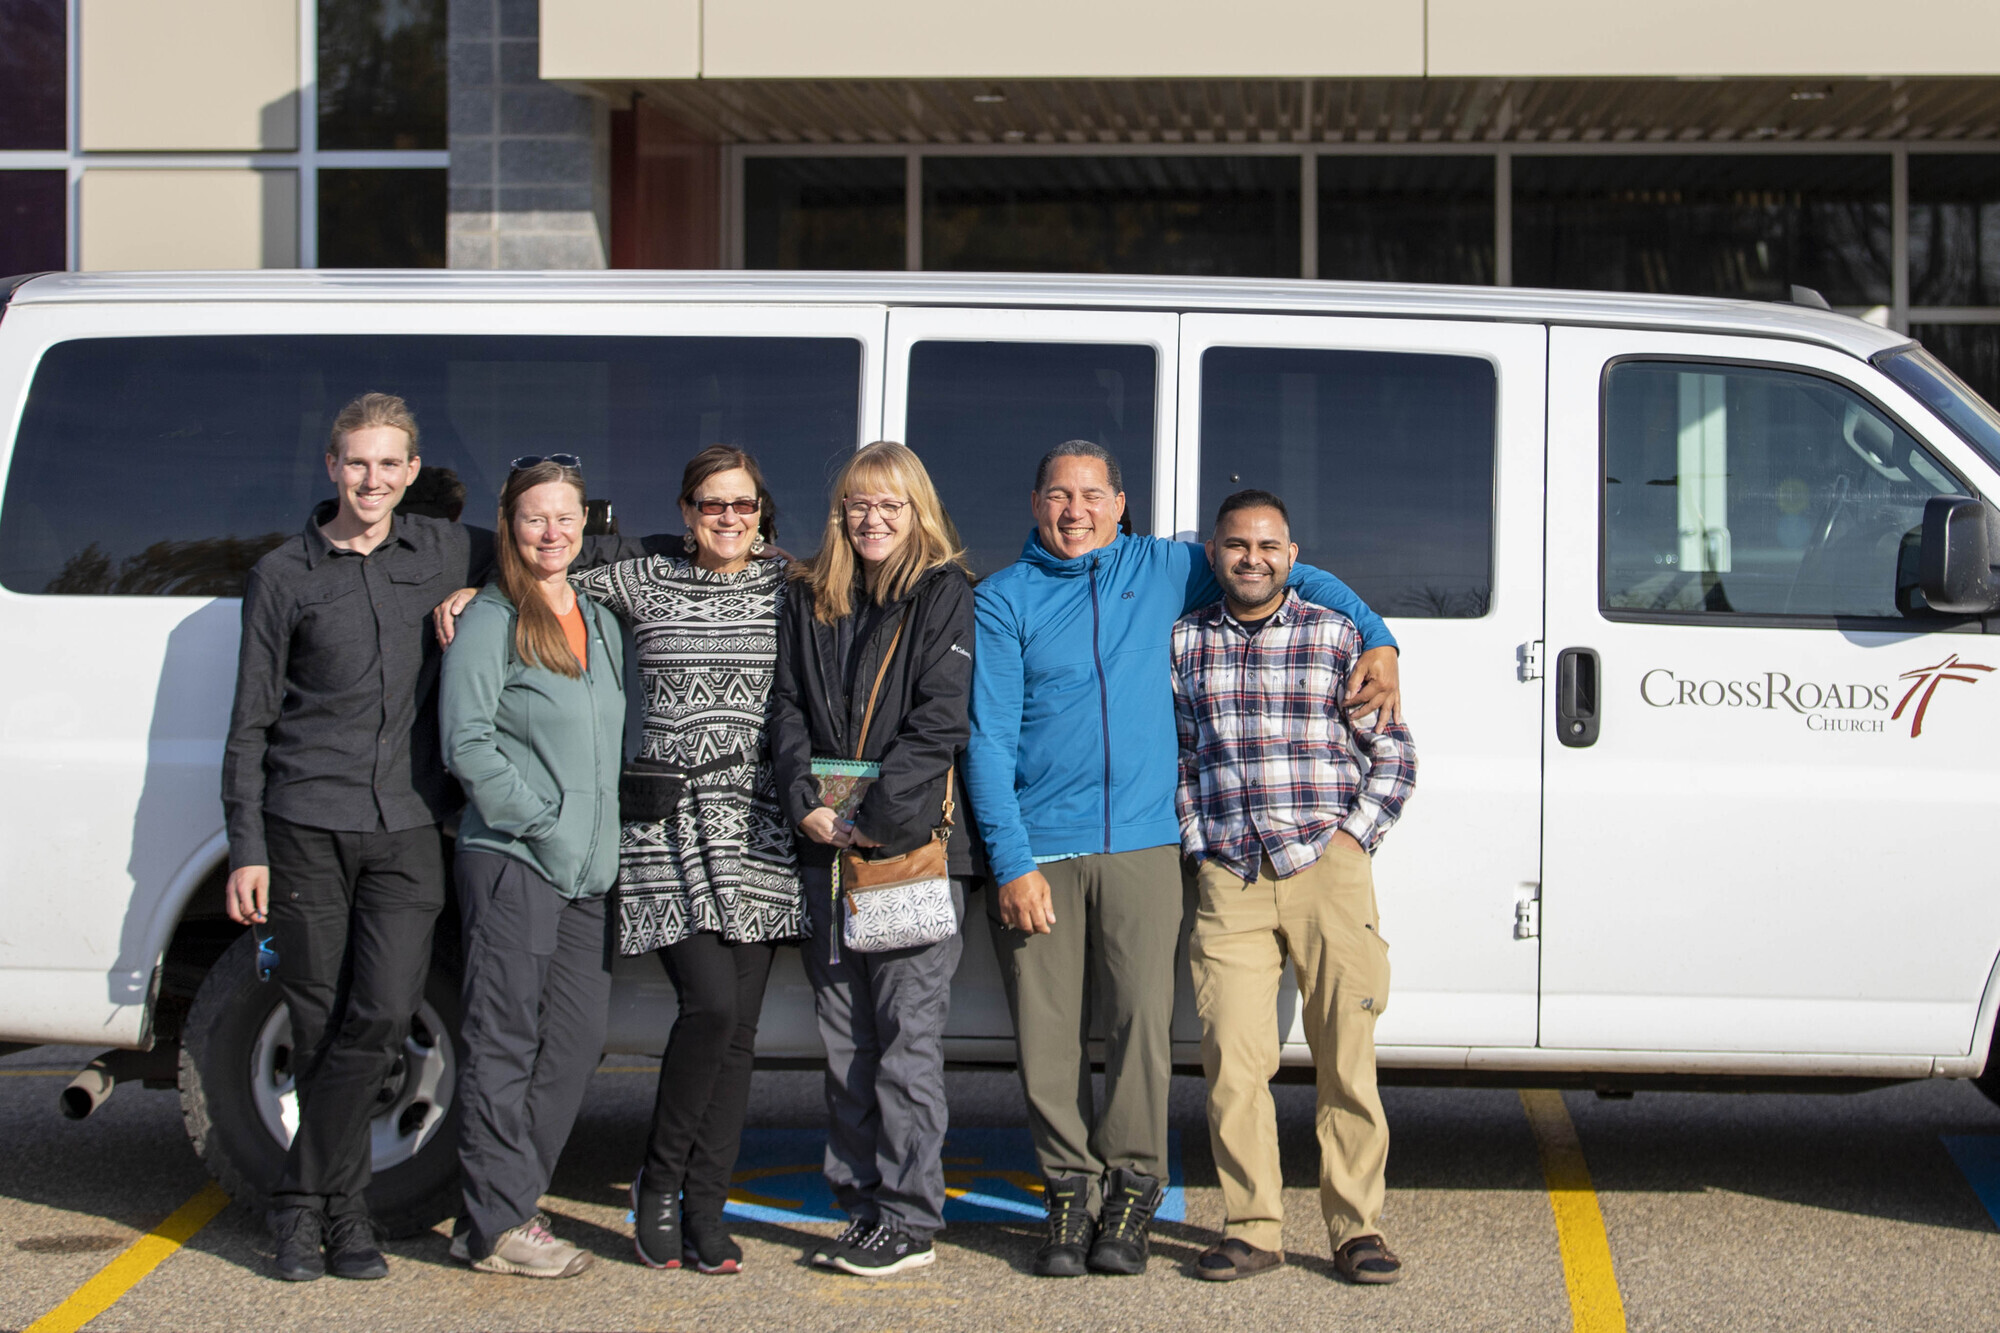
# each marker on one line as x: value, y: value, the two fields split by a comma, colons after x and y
x: 1316, y: 585
x: 991, y: 753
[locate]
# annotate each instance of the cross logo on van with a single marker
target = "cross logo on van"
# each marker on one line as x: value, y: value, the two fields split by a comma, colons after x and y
x: 1928, y: 679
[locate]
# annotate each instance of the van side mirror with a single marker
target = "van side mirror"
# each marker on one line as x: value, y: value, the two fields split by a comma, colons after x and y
x: 1956, y: 567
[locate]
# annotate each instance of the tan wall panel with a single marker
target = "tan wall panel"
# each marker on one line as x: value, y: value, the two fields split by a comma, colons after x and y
x: 190, y: 74
x: 956, y: 39
x: 1715, y: 37
x: 190, y: 219
x: 621, y: 39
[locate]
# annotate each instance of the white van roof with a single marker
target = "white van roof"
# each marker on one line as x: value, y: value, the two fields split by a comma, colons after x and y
x: 1405, y: 300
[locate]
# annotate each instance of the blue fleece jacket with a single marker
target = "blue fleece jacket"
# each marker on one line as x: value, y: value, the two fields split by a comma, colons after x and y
x: 1073, y: 746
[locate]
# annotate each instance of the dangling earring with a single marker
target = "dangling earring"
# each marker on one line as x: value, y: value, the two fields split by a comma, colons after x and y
x: 687, y: 541
x: 757, y: 544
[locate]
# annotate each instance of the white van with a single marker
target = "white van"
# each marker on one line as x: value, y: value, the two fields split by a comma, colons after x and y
x: 1689, y: 595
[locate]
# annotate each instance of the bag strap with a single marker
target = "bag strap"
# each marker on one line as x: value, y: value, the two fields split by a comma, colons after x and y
x: 868, y: 717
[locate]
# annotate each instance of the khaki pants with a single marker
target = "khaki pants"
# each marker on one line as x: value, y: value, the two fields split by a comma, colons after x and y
x: 1324, y: 919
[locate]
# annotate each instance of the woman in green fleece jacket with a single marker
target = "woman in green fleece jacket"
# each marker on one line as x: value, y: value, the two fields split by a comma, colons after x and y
x: 533, y: 716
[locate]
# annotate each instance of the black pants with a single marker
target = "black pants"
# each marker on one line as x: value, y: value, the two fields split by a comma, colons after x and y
x: 705, y: 1073
x: 351, y: 918
x: 537, y: 994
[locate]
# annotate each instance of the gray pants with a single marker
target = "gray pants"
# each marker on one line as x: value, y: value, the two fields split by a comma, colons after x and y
x: 1118, y: 923
x: 882, y: 1017
x: 537, y: 993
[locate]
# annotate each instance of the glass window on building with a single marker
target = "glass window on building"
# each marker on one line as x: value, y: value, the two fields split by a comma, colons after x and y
x: 33, y: 213
x: 34, y: 83
x: 1954, y: 229
x: 1385, y: 460
x: 1406, y: 219
x: 982, y: 414
x: 1759, y: 492
x: 1209, y: 215
x: 382, y: 74
x: 100, y: 498
x: 824, y: 213
x: 1745, y: 225
x: 381, y: 218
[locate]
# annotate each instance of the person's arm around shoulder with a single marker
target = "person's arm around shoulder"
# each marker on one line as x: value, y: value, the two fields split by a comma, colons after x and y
x: 262, y: 659
x: 1187, y: 728
x: 1392, y: 759
x: 1377, y: 680
x: 895, y: 808
x: 475, y: 674
x: 991, y: 757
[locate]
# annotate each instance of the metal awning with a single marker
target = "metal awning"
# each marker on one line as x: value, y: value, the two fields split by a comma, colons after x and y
x: 1331, y: 111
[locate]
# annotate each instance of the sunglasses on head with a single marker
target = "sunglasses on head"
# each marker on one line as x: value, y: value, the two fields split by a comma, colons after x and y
x: 714, y: 507
x: 570, y: 461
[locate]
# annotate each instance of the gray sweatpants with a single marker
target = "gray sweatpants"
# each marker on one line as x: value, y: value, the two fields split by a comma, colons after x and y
x: 537, y: 995
x: 1118, y: 924
x: 881, y: 1016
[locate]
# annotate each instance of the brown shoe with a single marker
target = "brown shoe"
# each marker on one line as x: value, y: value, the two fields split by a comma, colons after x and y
x: 1235, y: 1258
x: 1367, y: 1260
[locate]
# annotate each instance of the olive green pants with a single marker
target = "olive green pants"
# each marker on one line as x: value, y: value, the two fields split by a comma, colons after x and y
x: 1118, y: 924
x: 1324, y: 920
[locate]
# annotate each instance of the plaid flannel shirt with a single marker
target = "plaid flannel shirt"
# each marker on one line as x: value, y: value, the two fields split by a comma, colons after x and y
x: 1270, y: 762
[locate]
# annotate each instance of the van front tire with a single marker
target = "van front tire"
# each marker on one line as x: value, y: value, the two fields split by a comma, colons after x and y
x: 237, y: 1102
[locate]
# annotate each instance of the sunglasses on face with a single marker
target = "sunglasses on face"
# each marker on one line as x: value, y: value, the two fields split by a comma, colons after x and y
x: 570, y: 461
x: 715, y: 507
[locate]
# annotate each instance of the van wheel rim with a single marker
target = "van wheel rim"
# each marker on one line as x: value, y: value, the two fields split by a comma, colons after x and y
x: 418, y: 1094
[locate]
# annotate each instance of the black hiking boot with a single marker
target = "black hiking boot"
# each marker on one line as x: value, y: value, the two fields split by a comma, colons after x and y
x: 1130, y: 1200
x: 300, y: 1232
x: 1066, y: 1252
x: 354, y: 1248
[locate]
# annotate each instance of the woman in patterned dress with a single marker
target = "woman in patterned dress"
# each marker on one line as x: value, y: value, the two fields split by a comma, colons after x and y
x: 714, y: 888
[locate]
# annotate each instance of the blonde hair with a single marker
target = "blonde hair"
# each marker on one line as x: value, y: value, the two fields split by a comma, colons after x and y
x: 368, y: 411
x: 836, y: 575
x: 538, y: 634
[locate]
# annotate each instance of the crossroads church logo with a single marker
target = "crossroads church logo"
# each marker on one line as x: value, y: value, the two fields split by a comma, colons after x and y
x: 1928, y: 679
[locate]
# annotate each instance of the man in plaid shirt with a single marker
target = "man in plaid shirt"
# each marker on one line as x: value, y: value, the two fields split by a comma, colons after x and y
x: 1280, y: 813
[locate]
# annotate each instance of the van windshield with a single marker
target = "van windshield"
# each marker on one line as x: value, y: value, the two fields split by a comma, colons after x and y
x: 1947, y: 395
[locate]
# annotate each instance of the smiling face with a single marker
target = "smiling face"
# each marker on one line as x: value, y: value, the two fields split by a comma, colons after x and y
x: 722, y: 540
x: 371, y: 468
x: 1252, y: 554
x: 1077, y: 511
x: 548, y: 528
x: 878, y: 524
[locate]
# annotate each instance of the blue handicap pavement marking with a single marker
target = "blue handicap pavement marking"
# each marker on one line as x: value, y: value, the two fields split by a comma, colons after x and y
x: 1978, y: 1156
x: 990, y: 1175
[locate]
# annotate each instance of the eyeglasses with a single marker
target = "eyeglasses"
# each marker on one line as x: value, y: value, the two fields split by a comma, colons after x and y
x: 890, y: 510
x: 570, y: 461
x: 714, y: 507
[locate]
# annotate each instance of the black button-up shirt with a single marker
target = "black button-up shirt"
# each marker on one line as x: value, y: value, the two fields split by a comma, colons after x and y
x: 335, y: 722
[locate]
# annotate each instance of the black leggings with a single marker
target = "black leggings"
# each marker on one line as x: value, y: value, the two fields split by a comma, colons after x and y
x: 705, y: 1074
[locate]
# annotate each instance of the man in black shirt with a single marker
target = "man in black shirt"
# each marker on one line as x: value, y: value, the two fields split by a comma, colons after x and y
x: 334, y: 789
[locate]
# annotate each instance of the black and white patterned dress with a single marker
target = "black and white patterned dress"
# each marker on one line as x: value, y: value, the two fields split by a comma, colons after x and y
x: 707, y: 650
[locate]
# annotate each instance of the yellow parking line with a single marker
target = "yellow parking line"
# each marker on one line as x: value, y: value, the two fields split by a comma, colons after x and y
x: 125, y: 1272
x: 1594, y: 1303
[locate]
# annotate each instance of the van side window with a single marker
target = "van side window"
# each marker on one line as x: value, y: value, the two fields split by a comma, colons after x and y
x: 982, y: 414
x: 1760, y: 492
x: 1384, y: 460
x: 166, y: 466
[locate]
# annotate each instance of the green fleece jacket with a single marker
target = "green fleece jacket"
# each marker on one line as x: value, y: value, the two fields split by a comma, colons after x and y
x: 537, y: 752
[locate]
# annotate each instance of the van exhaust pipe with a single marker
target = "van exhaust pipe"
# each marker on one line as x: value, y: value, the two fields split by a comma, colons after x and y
x: 93, y: 1087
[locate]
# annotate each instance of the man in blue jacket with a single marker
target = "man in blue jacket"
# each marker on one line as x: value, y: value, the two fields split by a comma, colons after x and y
x: 1071, y: 771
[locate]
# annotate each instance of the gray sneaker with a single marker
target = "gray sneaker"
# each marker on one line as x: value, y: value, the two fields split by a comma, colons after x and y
x: 461, y: 1236
x: 531, y: 1250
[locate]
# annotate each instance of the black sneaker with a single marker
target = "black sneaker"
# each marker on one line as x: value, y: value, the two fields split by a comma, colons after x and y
x: 707, y: 1246
x: 1130, y: 1200
x: 353, y: 1248
x: 299, y: 1232
x: 886, y: 1250
x: 656, y: 1224
x: 1071, y: 1227
x: 827, y: 1250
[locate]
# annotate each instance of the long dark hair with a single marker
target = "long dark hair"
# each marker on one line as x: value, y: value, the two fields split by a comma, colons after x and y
x: 538, y: 635
x: 727, y: 458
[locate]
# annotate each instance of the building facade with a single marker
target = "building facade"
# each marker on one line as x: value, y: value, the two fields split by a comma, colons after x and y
x: 1689, y: 146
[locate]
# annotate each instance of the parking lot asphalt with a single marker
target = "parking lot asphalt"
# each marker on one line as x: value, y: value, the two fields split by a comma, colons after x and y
x: 1722, y: 1211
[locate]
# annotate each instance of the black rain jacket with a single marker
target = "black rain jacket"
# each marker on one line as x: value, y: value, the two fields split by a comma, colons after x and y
x: 920, y: 725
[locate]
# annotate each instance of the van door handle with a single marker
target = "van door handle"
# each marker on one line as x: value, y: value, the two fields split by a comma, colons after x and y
x: 1577, y: 693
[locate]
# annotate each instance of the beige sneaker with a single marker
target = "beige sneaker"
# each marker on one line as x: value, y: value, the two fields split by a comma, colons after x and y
x: 530, y: 1250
